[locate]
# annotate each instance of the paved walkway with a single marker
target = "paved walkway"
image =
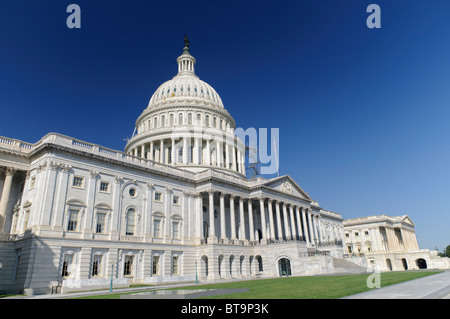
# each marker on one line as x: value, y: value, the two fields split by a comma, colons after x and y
x: 429, y: 287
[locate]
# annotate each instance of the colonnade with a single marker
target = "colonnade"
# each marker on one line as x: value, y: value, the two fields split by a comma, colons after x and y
x: 257, y: 220
x: 187, y: 150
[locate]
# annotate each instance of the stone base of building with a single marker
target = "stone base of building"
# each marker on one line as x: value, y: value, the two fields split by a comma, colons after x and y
x: 43, y: 264
x: 405, y: 260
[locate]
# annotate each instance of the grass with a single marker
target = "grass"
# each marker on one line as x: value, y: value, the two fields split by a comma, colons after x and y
x: 309, y: 287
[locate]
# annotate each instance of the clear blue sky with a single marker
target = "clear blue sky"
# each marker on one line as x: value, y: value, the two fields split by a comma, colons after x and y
x: 363, y: 113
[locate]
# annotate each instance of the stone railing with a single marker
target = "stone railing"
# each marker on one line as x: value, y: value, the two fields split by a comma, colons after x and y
x: 16, y: 145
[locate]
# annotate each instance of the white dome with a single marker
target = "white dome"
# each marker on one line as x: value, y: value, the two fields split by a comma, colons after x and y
x: 185, y: 125
x: 185, y: 87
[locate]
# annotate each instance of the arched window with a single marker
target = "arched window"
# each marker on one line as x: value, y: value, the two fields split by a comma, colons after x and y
x: 190, y: 119
x: 163, y: 120
x: 130, y: 222
x: 171, y: 119
x: 180, y: 119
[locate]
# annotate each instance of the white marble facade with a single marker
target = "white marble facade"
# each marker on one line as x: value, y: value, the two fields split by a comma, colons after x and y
x: 174, y: 206
x: 388, y: 243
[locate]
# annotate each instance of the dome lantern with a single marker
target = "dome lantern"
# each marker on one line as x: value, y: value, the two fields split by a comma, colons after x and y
x: 186, y: 61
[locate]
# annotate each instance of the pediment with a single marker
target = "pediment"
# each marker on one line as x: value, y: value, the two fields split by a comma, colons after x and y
x: 407, y: 220
x: 286, y: 184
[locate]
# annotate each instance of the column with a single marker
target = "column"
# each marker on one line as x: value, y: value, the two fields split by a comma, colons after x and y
x: 143, y: 150
x: 241, y: 220
x: 208, y: 153
x: 294, y: 233
x: 310, y: 231
x: 199, y: 216
x: 195, y: 156
x: 233, y: 219
x: 148, y: 214
x: 286, y: 222
x: 212, y: 232
x: 250, y: 219
x: 151, y: 151
x: 233, y: 160
x: 227, y: 156
x: 223, y: 234
x: 299, y: 226
x: 173, y: 153
x: 91, y: 191
x: 279, y: 229
x: 61, y: 199
x: 114, y: 234
x: 218, y: 153
x: 314, y: 227
x: 5, y: 195
x: 161, y: 152
x: 263, y: 218
x: 238, y: 164
x: 271, y: 224
x: 185, y: 150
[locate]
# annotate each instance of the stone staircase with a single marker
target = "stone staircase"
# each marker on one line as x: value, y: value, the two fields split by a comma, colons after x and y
x: 343, y: 266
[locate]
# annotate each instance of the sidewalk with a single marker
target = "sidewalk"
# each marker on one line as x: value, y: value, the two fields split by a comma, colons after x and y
x: 430, y: 287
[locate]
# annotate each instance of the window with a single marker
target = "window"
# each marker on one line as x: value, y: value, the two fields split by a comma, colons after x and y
x: 128, y: 266
x: 104, y: 187
x: 130, y: 222
x: 356, y: 234
x: 96, y: 266
x: 176, y: 200
x: 73, y: 220
x: 369, y: 247
x: 157, y: 228
x: 366, y: 233
x: 347, y: 235
x: 349, y: 249
x: 175, y: 265
x: 78, y: 181
x: 67, y: 266
x: 100, y: 228
x: 132, y: 192
x: 155, y: 266
x: 176, y: 230
x: 158, y: 197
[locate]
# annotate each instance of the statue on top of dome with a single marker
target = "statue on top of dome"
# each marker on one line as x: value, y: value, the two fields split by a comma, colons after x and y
x: 186, y: 41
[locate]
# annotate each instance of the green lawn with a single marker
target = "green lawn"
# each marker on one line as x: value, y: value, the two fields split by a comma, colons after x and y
x: 310, y: 287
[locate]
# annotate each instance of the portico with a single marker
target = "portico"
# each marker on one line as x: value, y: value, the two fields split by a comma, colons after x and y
x: 256, y: 220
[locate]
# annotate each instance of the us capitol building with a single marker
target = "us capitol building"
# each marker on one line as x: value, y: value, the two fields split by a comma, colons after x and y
x: 174, y: 206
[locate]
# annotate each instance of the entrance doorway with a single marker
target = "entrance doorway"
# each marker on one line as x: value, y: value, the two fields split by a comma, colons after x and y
x: 389, y: 264
x: 421, y: 263
x: 284, y: 267
x: 405, y: 264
